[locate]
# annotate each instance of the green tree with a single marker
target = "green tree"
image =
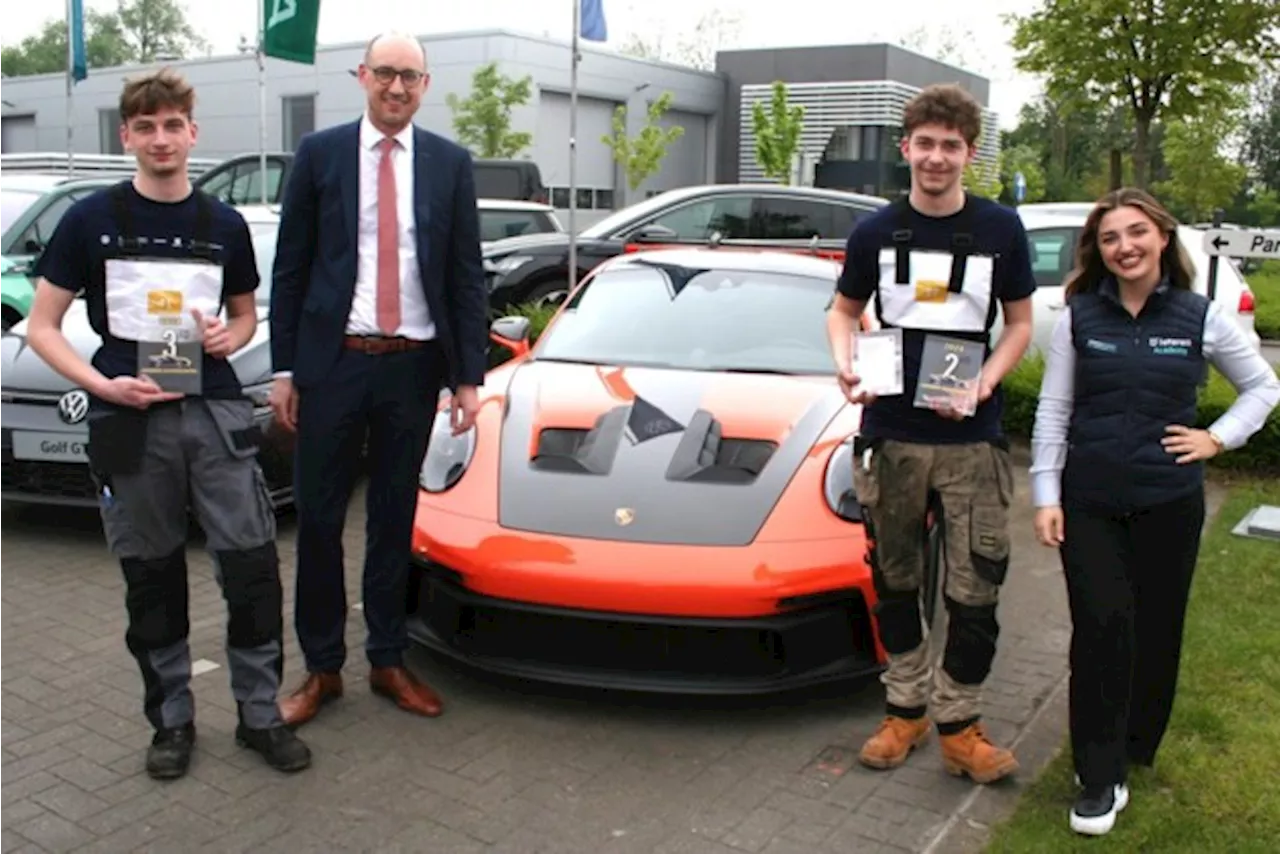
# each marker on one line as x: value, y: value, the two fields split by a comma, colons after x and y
x: 1201, y: 178
x: 982, y: 179
x: 139, y: 31
x: 1162, y: 60
x: 1025, y: 159
x: 777, y: 133
x: 1262, y: 131
x: 642, y: 155
x: 482, y: 120
x: 1264, y: 208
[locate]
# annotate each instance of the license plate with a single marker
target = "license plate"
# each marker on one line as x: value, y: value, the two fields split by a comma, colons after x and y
x: 50, y: 447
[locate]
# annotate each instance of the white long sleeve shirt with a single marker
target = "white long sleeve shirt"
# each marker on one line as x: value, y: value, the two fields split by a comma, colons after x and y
x: 1224, y: 346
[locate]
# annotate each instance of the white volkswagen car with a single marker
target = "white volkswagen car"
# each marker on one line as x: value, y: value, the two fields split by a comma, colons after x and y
x: 1053, y: 231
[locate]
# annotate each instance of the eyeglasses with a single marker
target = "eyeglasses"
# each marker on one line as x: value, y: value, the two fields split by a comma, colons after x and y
x: 385, y: 75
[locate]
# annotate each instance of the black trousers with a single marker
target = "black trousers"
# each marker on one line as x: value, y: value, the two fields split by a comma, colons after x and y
x: 390, y: 400
x: 1128, y: 580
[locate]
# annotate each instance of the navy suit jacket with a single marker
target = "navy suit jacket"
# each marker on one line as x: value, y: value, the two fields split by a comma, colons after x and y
x: 314, y: 272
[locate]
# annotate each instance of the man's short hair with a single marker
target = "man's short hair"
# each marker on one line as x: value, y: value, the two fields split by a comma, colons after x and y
x: 946, y: 104
x: 159, y: 90
x: 369, y: 45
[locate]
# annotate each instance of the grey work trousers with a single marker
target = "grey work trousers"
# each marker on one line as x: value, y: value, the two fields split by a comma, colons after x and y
x: 194, y: 457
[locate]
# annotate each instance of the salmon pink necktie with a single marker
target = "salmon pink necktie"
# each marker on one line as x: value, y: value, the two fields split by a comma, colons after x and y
x: 388, y: 301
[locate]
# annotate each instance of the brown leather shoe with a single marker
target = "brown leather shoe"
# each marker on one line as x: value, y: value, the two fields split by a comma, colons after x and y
x: 403, y: 687
x: 302, y: 705
x: 971, y: 752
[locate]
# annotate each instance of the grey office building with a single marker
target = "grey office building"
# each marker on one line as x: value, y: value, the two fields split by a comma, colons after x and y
x: 853, y: 96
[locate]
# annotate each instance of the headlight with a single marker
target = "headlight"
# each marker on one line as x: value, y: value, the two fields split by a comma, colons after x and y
x: 447, y: 455
x: 506, y: 264
x: 838, y: 483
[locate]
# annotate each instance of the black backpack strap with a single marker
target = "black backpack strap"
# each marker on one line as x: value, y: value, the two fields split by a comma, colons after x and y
x: 961, y: 247
x: 901, y: 239
x: 201, y: 244
x: 127, y: 240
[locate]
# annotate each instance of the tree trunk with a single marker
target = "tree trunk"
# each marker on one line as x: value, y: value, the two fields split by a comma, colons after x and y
x: 1141, y: 139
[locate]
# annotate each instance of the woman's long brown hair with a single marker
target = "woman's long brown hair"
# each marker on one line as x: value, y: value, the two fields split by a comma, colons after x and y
x: 1089, y: 270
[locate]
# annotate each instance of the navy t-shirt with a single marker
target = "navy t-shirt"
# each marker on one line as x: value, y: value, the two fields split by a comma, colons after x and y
x: 86, y: 237
x: 997, y: 230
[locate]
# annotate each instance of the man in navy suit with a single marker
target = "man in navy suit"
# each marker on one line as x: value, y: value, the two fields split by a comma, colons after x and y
x: 378, y: 301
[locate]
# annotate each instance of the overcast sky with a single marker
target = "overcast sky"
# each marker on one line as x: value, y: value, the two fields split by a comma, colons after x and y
x: 763, y: 23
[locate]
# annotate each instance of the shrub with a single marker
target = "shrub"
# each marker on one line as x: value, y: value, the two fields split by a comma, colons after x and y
x: 1260, y: 456
x: 1265, y: 284
x: 539, y: 316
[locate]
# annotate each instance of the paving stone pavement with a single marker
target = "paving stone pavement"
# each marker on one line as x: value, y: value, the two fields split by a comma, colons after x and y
x: 511, y: 768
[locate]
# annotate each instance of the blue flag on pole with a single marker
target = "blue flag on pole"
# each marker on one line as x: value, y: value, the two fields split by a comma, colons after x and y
x: 78, y: 66
x: 594, y: 28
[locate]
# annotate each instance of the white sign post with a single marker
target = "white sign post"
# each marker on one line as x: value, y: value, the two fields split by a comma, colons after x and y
x: 1238, y: 243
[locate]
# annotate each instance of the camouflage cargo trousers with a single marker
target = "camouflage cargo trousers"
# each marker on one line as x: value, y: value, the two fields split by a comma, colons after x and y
x: 893, y: 481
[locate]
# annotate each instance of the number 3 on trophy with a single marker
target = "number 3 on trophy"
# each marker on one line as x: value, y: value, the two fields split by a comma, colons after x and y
x: 170, y: 337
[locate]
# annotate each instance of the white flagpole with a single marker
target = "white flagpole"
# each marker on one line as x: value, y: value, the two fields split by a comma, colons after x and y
x: 70, y: 107
x: 573, y: 149
x: 262, y: 100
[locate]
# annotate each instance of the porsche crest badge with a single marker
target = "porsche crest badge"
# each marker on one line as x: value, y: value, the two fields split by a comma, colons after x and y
x: 624, y: 516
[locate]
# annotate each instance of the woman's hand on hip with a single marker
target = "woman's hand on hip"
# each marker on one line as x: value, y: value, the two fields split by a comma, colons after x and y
x: 1190, y: 444
x: 1049, y: 526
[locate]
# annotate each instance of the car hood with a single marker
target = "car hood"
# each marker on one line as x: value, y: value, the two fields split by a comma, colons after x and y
x: 22, y: 369
x: 547, y: 241
x: 654, y: 455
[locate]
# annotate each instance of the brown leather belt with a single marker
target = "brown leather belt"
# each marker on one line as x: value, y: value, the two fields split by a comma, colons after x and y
x: 376, y: 345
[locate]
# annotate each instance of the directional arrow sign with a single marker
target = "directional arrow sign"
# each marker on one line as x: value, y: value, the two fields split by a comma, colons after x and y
x: 1233, y: 243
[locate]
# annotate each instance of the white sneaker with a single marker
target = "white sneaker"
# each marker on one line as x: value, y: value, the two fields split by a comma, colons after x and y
x: 1095, y: 811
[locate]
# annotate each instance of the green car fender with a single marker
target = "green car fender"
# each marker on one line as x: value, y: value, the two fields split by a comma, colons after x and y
x: 18, y: 290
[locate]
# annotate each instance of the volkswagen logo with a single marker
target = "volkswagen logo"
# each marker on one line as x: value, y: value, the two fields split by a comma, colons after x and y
x: 73, y: 406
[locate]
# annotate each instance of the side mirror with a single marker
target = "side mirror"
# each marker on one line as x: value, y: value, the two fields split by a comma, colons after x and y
x: 33, y: 246
x: 512, y: 332
x: 653, y: 233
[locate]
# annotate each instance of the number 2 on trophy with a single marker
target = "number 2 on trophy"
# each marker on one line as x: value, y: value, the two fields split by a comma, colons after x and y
x: 952, y: 361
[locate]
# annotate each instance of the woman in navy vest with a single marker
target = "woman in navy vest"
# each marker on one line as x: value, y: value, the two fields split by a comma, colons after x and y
x: 1118, y: 477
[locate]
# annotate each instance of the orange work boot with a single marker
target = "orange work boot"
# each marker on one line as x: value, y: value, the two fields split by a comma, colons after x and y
x: 971, y: 752
x: 893, y: 740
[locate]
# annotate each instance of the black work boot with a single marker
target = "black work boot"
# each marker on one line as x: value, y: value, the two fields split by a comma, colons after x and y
x: 170, y: 752
x: 283, y: 750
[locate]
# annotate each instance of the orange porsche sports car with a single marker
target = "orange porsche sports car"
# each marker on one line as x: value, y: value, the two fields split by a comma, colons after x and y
x: 658, y: 494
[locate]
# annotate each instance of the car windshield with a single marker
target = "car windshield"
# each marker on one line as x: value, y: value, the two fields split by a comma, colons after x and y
x: 648, y: 314
x: 12, y: 205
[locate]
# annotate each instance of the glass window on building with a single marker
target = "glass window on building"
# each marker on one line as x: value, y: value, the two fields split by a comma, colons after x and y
x: 298, y: 118
x: 109, y: 131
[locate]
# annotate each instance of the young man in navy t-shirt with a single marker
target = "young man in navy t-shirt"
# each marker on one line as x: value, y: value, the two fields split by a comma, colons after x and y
x: 937, y: 265
x: 157, y: 262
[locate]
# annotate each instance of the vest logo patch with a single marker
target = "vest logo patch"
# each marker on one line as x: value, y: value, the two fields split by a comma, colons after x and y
x: 1169, y: 346
x: 164, y: 302
x: 1101, y: 346
x: 931, y: 290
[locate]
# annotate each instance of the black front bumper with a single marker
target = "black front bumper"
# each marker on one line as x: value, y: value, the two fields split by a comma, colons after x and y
x: 798, y: 648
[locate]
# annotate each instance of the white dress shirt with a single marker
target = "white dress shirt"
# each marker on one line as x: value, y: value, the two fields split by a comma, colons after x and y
x: 415, y: 319
x: 1225, y: 347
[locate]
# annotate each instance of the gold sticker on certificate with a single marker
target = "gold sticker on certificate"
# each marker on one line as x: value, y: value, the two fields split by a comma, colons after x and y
x: 949, y: 372
x: 164, y: 302
x: 931, y: 290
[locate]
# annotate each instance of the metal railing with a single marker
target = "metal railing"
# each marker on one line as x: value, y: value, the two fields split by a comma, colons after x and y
x: 51, y: 162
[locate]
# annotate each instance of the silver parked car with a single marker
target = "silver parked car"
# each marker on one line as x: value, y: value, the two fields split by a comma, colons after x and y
x: 42, y: 416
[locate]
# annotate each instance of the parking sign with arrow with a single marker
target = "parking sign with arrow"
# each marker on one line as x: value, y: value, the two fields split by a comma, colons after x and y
x: 1242, y: 243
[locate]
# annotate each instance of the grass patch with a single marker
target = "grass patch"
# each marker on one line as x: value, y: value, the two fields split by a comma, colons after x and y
x: 1214, y: 785
x: 1265, y: 284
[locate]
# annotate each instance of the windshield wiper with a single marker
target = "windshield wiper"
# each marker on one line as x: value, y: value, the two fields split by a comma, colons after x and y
x: 739, y: 370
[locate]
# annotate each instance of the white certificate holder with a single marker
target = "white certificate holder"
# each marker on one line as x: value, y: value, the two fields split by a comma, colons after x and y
x: 877, y: 361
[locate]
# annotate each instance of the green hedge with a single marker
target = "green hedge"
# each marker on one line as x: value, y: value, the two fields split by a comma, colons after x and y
x: 1265, y: 284
x: 1260, y: 456
x: 539, y: 317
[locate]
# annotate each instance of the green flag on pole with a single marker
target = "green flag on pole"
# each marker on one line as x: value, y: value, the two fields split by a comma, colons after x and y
x: 289, y: 29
